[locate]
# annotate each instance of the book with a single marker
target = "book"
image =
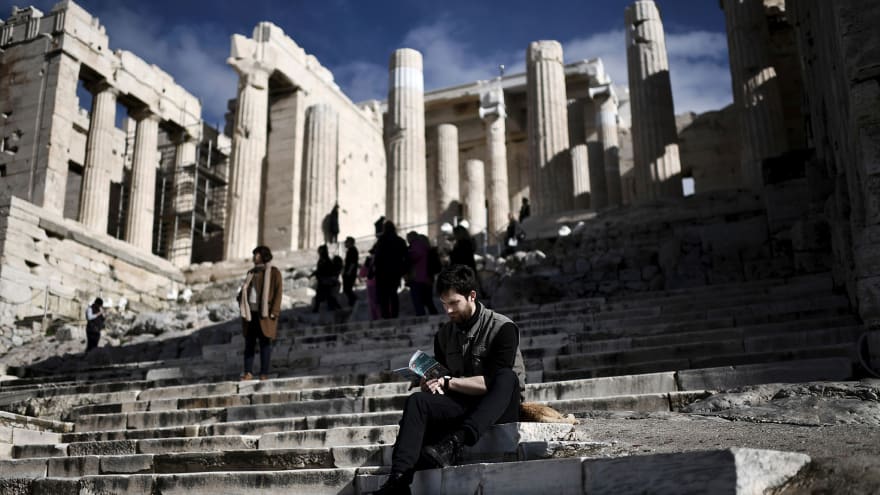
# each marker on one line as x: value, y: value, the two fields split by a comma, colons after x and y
x: 422, y: 365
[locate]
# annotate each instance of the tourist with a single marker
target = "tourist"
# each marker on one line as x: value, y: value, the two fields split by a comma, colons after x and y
x: 419, y: 279
x: 94, y: 323
x: 327, y: 274
x: 484, y: 386
x: 463, y: 250
x: 379, y: 225
x: 368, y: 275
x: 514, y: 235
x: 525, y: 210
x: 350, y: 270
x: 390, y: 261
x: 333, y: 225
x: 260, y: 304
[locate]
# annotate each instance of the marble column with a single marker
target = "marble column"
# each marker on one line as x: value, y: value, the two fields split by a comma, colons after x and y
x: 493, y: 113
x: 94, y: 205
x: 319, y: 172
x: 184, y: 199
x: 595, y: 157
x: 580, y: 169
x: 448, y: 194
x: 655, y: 139
x: 606, y: 123
x: 406, y: 192
x: 755, y: 88
x: 474, y: 195
x: 142, y: 200
x: 248, y: 153
x: 549, y: 160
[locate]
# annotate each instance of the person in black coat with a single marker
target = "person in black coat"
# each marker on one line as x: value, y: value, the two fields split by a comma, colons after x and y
x: 350, y: 270
x: 390, y: 258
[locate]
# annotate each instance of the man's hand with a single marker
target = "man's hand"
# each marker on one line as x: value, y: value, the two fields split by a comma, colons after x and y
x: 434, y: 386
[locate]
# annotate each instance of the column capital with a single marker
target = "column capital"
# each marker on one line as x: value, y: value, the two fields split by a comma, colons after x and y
x: 101, y: 86
x: 492, y: 103
x: 252, y: 72
x: 144, y: 113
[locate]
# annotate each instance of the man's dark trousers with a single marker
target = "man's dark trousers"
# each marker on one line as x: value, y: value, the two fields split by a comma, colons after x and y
x: 428, y: 417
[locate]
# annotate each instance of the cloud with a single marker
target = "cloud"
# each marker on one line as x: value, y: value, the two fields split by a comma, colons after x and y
x: 697, y: 59
x: 194, y: 54
x: 698, y: 66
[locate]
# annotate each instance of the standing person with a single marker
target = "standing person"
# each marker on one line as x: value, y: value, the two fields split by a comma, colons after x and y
x: 463, y: 250
x: 260, y: 303
x: 379, y: 225
x: 390, y: 261
x: 515, y: 234
x: 350, y: 270
x: 481, y: 350
x: 420, y: 280
x: 333, y: 224
x: 328, y: 277
x: 368, y: 275
x: 94, y: 323
x: 525, y: 210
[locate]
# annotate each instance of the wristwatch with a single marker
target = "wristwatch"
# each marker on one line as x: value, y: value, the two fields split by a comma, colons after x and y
x: 446, y: 380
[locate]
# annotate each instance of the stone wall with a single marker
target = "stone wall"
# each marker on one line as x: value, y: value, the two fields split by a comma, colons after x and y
x: 709, y: 149
x: 45, y: 253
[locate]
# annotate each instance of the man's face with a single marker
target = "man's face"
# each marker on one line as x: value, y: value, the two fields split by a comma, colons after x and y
x: 258, y: 259
x: 459, y: 308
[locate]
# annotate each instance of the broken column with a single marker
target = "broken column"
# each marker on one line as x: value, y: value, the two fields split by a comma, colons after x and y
x: 755, y: 88
x: 248, y: 151
x: 319, y: 172
x: 493, y: 113
x: 141, y: 202
x: 474, y: 195
x: 448, y: 196
x: 549, y: 165
x: 606, y: 123
x: 580, y: 168
x: 405, y: 137
x: 655, y: 139
x: 94, y: 205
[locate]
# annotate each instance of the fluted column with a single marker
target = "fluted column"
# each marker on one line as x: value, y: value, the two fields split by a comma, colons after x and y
x: 94, y: 204
x: 319, y: 172
x: 184, y: 200
x: 755, y: 88
x: 142, y: 195
x: 494, y: 113
x: 580, y: 167
x: 448, y: 193
x: 549, y: 165
x: 248, y: 153
x: 474, y: 195
x: 606, y: 123
x: 655, y: 139
x: 595, y: 157
x: 405, y: 134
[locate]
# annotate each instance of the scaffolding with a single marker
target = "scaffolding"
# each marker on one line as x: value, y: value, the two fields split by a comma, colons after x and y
x: 191, y: 206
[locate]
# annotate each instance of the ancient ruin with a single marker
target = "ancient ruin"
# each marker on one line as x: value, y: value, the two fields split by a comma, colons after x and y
x: 722, y: 341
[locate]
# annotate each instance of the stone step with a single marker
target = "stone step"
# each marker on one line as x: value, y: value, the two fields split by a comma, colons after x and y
x: 734, y: 470
x: 692, y: 347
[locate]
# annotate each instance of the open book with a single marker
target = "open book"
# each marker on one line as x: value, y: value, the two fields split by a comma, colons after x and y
x: 422, y: 365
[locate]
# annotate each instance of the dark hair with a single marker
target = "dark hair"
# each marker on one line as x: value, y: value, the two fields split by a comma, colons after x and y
x: 349, y: 239
x: 460, y: 278
x: 99, y: 303
x: 388, y: 228
x: 265, y: 253
x: 323, y: 252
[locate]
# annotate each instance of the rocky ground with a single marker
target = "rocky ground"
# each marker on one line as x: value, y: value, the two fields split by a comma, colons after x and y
x: 836, y: 424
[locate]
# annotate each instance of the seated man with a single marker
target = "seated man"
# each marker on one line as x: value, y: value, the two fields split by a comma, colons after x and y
x: 481, y: 349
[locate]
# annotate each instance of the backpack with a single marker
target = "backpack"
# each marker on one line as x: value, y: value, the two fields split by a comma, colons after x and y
x: 434, y: 263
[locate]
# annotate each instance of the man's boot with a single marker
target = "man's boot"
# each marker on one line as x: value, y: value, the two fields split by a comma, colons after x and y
x: 446, y: 452
x: 396, y: 484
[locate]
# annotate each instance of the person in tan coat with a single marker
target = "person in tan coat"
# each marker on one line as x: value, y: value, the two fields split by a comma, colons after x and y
x: 260, y: 303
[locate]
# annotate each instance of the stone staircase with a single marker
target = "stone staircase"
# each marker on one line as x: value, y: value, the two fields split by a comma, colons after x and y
x: 326, y: 420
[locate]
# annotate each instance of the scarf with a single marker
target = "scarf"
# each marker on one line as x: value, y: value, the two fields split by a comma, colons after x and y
x: 264, y: 295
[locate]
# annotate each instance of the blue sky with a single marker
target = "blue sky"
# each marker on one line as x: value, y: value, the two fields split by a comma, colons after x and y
x: 461, y: 40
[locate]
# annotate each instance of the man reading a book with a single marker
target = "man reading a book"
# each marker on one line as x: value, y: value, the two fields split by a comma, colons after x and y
x: 486, y: 377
